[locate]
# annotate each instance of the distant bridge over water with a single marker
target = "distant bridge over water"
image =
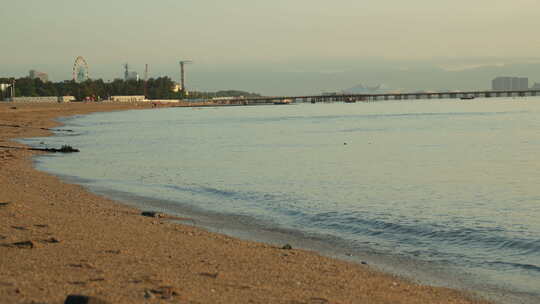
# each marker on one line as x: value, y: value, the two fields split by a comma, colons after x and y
x: 383, y: 96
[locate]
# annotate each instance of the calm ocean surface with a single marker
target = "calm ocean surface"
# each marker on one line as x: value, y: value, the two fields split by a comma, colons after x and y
x: 455, y: 184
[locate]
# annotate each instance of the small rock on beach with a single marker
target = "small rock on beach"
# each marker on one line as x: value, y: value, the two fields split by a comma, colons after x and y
x: 80, y: 299
x: 152, y: 214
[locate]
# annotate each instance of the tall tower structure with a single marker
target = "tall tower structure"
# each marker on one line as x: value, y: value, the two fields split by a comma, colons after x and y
x: 146, y: 72
x: 182, y: 74
x: 126, y: 71
x: 146, y: 80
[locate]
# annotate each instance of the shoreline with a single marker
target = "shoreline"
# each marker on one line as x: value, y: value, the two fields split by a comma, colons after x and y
x: 87, y: 244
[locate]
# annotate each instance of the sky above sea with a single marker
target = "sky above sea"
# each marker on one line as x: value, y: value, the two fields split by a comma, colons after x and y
x: 264, y: 46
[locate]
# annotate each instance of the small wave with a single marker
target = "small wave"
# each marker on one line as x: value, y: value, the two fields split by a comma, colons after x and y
x: 515, y: 265
x: 484, y: 237
x: 231, y: 195
x: 365, y: 130
x: 376, y: 116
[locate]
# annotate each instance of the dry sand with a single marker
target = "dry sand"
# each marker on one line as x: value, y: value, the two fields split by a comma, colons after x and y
x: 75, y: 242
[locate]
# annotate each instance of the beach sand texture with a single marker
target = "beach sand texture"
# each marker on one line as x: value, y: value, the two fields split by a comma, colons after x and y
x: 57, y: 239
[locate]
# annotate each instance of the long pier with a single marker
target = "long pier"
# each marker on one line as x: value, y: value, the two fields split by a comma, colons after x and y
x: 383, y: 96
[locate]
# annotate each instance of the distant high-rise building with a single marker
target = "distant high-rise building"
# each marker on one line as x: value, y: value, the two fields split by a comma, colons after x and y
x: 536, y: 86
x: 510, y: 84
x: 132, y: 76
x: 523, y: 83
x: 41, y: 75
x: 501, y: 84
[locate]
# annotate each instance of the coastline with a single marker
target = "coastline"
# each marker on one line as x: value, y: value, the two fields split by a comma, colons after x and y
x: 86, y: 244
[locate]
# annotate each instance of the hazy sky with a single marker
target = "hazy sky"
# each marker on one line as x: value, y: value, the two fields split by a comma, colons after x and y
x: 310, y: 35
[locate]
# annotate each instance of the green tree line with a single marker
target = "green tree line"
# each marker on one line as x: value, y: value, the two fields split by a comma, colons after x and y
x: 156, y: 88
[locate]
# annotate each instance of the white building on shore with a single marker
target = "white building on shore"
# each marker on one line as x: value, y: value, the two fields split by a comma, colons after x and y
x: 128, y: 98
x: 43, y: 99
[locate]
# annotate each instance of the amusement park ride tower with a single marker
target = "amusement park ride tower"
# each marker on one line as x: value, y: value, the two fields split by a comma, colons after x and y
x: 80, y: 70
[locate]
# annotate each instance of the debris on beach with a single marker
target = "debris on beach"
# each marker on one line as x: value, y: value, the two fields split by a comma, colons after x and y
x: 4, y: 204
x: 57, y: 130
x: 160, y: 215
x: 51, y: 240
x: 318, y: 301
x: 148, y: 295
x: 66, y: 149
x: 113, y: 251
x: 63, y: 149
x: 210, y: 275
x: 31, y: 244
x: 82, y: 265
x: 164, y: 292
x: 24, y: 244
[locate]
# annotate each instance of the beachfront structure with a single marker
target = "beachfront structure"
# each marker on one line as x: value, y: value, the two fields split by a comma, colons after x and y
x: 176, y: 88
x: 4, y: 86
x: 5, y: 91
x: 510, y: 84
x: 43, y: 99
x: 66, y: 98
x: 132, y: 98
x: 33, y: 74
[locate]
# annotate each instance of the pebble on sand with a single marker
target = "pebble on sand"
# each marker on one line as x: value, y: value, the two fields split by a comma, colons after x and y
x: 152, y: 214
x: 80, y: 299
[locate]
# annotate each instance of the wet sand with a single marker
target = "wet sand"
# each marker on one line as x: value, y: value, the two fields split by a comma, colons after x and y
x: 58, y: 239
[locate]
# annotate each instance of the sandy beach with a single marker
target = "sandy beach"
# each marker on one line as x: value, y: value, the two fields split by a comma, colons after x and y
x: 58, y: 239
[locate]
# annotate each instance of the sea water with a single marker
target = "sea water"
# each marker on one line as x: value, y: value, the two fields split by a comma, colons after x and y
x: 454, y: 184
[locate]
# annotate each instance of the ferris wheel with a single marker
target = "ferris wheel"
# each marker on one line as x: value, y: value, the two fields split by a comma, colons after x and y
x: 80, y: 70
